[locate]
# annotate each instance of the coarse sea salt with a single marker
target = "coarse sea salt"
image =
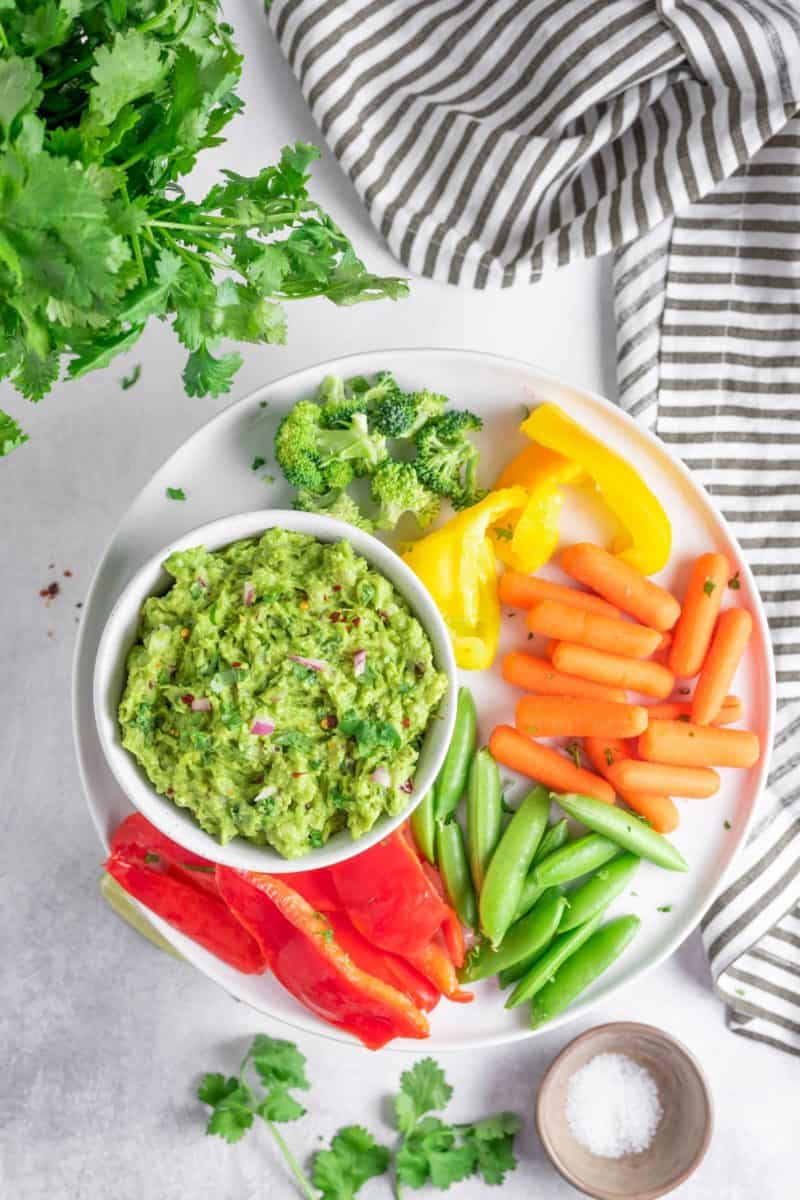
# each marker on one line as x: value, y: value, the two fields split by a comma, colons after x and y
x: 613, y: 1107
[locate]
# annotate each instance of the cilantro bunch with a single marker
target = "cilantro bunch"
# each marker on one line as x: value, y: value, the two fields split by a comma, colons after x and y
x: 430, y: 1151
x: 104, y: 107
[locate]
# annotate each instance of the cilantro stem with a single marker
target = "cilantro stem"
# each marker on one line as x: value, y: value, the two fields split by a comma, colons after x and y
x: 137, y: 245
x: 291, y: 1162
x: 3, y: 38
x: 161, y: 17
x: 67, y: 73
x: 289, y: 1158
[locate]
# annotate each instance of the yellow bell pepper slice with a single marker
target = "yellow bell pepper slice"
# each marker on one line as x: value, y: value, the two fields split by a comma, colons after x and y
x: 526, y: 539
x: 457, y: 565
x: 646, y: 537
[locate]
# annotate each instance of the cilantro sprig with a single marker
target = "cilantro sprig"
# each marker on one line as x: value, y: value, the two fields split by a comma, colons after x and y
x: 431, y: 1151
x: 104, y: 108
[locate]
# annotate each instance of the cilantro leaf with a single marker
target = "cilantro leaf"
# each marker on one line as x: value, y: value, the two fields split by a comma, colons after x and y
x: 369, y: 735
x: 279, y: 1106
x: 278, y: 1062
x: 131, y: 67
x: 205, y: 375
x: 353, y: 1158
x: 423, y: 1089
x: 19, y: 89
x: 11, y: 436
x: 231, y: 1116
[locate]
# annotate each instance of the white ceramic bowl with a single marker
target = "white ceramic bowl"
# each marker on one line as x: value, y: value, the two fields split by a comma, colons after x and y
x: 120, y: 633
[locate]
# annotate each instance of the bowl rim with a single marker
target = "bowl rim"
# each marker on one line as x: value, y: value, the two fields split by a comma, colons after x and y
x: 178, y: 823
x: 623, y: 1028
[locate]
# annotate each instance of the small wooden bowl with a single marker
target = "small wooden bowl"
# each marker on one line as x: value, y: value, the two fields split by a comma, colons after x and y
x: 683, y: 1133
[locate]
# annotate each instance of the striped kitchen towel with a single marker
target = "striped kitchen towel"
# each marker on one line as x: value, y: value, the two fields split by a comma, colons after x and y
x: 493, y: 140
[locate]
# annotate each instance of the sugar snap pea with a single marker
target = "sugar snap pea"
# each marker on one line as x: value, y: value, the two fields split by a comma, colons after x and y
x: 524, y: 939
x: 455, y: 871
x: 623, y: 828
x: 598, y: 891
x: 582, y: 968
x: 452, y: 778
x: 575, y: 859
x: 423, y: 825
x: 553, y: 838
x: 484, y: 814
x: 549, y: 962
x: 505, y: 876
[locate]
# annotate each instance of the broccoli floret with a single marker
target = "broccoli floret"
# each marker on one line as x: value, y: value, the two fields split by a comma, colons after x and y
x: 396, y: 489
x: 319, y: 459
x: 401, y: 414
x: 334, y: 504
x: 447, y: 461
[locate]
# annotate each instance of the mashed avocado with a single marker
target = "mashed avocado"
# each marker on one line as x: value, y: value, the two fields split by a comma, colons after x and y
x: 280, y: 691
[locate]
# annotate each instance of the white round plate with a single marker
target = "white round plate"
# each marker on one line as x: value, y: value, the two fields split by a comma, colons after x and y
x: 214, y: 468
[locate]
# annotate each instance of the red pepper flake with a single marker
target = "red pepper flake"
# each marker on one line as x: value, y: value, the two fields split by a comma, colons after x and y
x: 337, y: 587
x: 235, y: 665
x: 298, y: 774
x: 329, y: 722
x: 68, y: 574
x: 405, y: 722
x: 356, y: 622
x: 335, y: 616
x: 51, y: 591
x: 187, y: 699
x: 170, y: 792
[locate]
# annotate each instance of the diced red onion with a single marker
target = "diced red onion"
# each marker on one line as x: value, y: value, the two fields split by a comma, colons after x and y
x: 359, y: 661
x: 381, y: 775
x: 262, y: 726
x: 248, y: 593
x: 201, y: 704
x: 311, y: 664
x: 203, y: 583
x: 407, y: 787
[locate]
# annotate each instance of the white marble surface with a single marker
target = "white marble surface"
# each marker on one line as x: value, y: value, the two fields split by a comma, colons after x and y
x: 104, y: 1037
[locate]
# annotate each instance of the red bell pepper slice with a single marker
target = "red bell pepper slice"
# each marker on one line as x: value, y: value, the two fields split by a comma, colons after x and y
x: 203, y: 917
x: 316, y: 887
x: 307, y: 960
x: 436, y: 965
x: 135, y: 837
x: 383, y: 965
x: 452, y: 930
x: 388, y: 898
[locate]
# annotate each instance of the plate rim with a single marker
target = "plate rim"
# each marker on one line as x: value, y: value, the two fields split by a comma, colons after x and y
x: 514, y: 1034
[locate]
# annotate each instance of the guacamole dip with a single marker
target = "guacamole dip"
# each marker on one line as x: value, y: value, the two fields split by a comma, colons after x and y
x: 279, y: 690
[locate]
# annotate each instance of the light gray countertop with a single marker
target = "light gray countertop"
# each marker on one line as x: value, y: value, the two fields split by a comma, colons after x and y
x: 104, y: 1037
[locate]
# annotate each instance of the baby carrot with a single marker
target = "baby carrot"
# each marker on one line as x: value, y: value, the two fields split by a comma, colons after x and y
x: 701, y: 604
x: 568, y: 716
x: 677, y: 710
x: 727, y: 647
x: 590, y: 629
x: 649, y: 678
x: 545, y: 765
x: 665, y: 780
x: 523, y: 591
x: 660, y: 811
x: 621, y: 585
x: 688, y: 745
x: 540, y: 676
